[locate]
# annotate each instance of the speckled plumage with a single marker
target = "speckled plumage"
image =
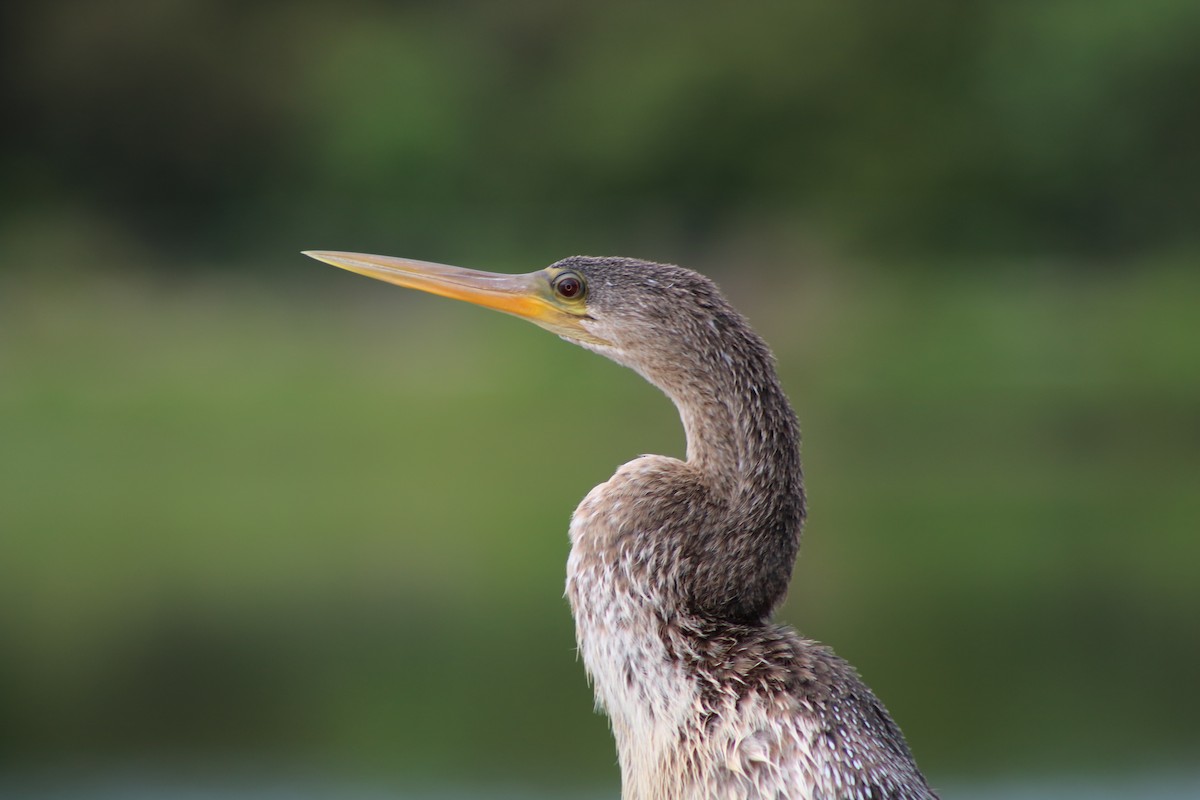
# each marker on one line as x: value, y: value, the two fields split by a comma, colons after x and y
x: 676, y: 567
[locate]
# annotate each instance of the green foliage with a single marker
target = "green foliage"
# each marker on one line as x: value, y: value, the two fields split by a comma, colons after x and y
x: 480, y: 131
x: 286, y: 527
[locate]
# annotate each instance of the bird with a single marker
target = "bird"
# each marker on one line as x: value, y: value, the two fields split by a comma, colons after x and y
x: 677, y: 565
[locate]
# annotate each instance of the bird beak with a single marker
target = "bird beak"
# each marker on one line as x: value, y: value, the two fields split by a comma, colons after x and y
x: 527, y: 296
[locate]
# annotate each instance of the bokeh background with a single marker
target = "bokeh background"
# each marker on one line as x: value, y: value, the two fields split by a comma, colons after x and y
x: 268, y: 524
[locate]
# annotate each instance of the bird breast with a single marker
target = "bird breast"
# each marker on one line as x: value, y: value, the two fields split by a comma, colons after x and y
x: 733, y: 711
x: 615, y: 584
x: 621, y: 578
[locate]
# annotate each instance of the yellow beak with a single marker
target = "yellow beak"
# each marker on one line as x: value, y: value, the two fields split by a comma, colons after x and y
x: 528, y: 296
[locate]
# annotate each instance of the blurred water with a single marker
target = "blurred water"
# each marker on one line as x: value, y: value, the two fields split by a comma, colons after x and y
x: 134, y: 787
x: 1142, y: 787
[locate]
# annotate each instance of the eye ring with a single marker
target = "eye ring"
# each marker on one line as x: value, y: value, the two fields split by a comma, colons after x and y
x: 570, y: 286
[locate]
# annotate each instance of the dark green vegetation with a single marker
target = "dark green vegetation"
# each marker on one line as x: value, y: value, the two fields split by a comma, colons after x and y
x: 256, y: 508
x: 471, y: 130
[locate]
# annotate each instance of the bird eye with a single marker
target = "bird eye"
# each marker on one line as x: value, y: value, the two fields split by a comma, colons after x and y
x: 569, y: 285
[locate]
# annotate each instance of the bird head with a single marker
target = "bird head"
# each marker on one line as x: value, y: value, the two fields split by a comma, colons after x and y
x: 634, y: 312
x: 673, y: 327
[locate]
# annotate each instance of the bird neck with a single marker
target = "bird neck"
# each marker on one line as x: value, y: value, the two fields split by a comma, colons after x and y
x: 733, y: 438
x: 743, y: 442
x: 742, y: 434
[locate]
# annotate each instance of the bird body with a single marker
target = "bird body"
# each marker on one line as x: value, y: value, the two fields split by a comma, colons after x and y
x: 704, y: 708
x: 677, y: 565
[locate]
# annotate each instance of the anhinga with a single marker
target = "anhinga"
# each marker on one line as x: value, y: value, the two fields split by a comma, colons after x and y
x: 676, y: 566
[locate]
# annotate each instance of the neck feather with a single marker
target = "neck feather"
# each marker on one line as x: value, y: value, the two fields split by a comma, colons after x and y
x: 743, y: 441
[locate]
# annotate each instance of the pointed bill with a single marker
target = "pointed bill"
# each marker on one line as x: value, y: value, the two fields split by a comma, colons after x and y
x: 528, y: 296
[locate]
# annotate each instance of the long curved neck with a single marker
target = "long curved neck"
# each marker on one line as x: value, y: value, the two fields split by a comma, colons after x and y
x: 744, y: 441
x: 741, y: 431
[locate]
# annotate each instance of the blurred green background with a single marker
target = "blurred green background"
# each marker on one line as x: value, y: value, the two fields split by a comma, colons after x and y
x: 259, y: 516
